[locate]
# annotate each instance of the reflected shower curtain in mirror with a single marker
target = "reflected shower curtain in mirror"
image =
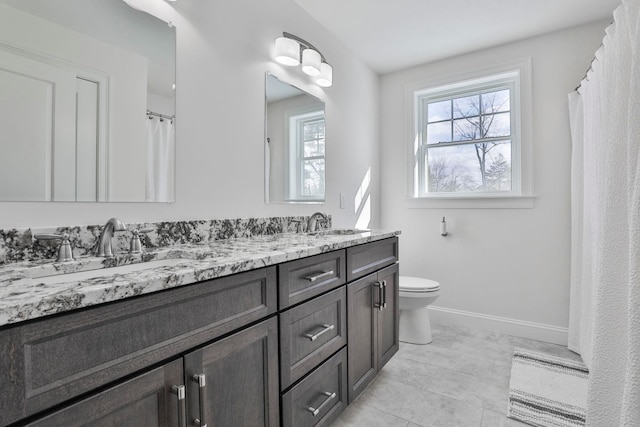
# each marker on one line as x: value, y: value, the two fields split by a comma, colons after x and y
x: 604, y: 323
x: 160, y: 160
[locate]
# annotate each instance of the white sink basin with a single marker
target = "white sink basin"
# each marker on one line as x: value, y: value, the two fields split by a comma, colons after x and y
x: 80, y: 276
x: 338, y: 232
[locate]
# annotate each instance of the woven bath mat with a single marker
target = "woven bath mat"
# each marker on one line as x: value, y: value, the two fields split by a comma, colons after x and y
x: 547, y: 391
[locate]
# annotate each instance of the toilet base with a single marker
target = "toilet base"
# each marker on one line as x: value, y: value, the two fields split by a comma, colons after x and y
x: 415, y: 327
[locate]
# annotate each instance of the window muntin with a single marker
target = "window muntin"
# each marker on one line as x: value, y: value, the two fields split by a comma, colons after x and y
x: 467, y: 138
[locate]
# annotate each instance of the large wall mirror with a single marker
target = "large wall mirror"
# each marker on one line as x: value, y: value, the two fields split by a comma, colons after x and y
x: 87, y: 110
x: 294, y: 144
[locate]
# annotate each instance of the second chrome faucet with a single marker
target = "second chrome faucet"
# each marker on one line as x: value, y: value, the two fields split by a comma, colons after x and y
x: 103, y: 247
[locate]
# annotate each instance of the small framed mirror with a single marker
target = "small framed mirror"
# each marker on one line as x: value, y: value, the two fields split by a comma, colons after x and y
x: 294, y: 144
x: 87, y: 111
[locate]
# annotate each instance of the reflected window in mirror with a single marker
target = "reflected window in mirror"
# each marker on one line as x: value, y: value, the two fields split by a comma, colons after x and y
x: 295, y: 145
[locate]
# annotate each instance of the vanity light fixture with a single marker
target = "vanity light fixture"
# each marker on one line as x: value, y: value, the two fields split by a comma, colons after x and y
x: 291, y: 49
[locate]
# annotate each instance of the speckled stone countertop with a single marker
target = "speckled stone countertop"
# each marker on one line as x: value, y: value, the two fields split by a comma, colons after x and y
x: 26, y: 293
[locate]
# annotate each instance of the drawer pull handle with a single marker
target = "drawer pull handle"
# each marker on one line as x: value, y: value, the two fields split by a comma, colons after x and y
x: 380, y: 305
x: 316, y: 411
x: 325, y: 328
x: 384, y: 294
x: 182, y: 410
x: 202, y: 386
x: 319, y: 276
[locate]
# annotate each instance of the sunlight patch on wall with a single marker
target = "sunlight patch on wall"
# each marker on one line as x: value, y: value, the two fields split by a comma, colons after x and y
x: 362, y: 202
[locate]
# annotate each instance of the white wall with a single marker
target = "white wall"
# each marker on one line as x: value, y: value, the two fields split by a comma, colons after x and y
x: 503, y: 268
x: 224, y: 50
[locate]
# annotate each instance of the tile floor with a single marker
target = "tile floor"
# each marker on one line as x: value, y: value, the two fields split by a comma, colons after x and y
x: 461, y: 379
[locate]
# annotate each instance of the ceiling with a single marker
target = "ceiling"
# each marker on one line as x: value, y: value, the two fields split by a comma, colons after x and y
x: 390, y: 35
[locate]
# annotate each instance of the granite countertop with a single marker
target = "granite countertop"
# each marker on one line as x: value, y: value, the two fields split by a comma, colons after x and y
x: 24, y: 296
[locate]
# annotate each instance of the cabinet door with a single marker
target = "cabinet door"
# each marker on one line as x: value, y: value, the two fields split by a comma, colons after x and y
x: 362, y: 332
x: 388, y: 316
x: 234, y: 382
x: 148, y: 400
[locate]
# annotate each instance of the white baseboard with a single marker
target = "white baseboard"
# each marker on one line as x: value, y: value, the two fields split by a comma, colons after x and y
x: 505, y: 325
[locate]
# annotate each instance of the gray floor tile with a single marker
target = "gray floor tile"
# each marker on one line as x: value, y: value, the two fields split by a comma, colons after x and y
x: 459, y: 380
x: 494, y: 419
x: 472, y: 389
x: 467, y: 362
x: 419, y: 406
x: 409, y: 372
x: 359, y: 414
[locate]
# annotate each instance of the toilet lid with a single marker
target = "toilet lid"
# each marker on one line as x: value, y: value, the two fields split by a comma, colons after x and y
x: 418, y: 284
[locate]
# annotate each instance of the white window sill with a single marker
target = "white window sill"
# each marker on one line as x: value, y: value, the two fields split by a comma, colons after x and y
x: 471, y: 202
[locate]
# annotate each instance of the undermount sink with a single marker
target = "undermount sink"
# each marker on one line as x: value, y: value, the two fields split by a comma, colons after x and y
x: 80, y: 276
x: 338, y: 232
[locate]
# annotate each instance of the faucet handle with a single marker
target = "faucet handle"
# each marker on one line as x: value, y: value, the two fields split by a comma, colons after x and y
x: 64, y: 251
x: 135, y: 247
x: 297, y: 222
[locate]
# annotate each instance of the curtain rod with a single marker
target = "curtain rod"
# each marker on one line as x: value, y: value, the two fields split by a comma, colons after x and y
x: 162, y: 116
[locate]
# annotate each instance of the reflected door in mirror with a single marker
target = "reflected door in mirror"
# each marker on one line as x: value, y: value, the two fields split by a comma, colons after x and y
x: 77, y: 80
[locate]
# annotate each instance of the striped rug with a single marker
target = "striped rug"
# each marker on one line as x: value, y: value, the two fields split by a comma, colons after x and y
x: 547, y: 391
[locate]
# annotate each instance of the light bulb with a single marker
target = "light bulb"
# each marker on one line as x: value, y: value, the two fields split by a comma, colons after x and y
x: 311, y: 62
x: 287, y: 51
x: 325, y: 78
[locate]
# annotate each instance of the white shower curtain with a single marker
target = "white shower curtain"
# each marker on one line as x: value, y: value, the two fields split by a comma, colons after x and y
x: 160, y: 160
x: 605, y: 272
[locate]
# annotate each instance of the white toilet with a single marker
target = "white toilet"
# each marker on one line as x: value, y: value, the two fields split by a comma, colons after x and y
x: 416, y: 294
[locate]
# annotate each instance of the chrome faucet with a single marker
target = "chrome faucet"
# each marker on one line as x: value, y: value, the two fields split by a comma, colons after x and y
x: 312, y: 225
x: 104, y: 242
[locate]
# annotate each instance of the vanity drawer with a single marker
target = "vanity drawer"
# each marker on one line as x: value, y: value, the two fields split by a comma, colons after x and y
x: 367, y: 258
x: 319, y: 398
x: 46, y: 362
x: 311, y: 332
x: 307, y: 277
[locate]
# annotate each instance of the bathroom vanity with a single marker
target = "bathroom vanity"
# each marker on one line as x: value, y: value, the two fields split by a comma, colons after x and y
x: 286, y: 334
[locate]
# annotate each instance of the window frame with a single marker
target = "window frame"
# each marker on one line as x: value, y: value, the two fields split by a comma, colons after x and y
x: 516, y: 73
x: 295, y: 123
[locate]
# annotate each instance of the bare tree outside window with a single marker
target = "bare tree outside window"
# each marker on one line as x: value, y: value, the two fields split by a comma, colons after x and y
x: 468, y: 142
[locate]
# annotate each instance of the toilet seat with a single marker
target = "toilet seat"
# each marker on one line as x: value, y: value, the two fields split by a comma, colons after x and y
x: 418, y: 285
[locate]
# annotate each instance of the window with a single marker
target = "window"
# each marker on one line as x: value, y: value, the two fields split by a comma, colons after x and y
x: 307, y: 161
x: 468, y: 142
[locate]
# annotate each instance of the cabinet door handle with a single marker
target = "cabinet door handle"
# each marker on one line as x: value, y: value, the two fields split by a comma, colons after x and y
x: 319, y: 276
x: 202, y: 387
x: 316, y: 411
x: 325, y: 328
x: 182, y: 409
x: 384, y: 294
x: 380, y: 304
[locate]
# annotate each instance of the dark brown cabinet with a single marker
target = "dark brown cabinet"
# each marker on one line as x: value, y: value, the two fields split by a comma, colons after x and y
x: 373, y: 315
x: 222, y: 352
x: 234, y: 381
x: 54, y: 360
x: 148, y: 400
